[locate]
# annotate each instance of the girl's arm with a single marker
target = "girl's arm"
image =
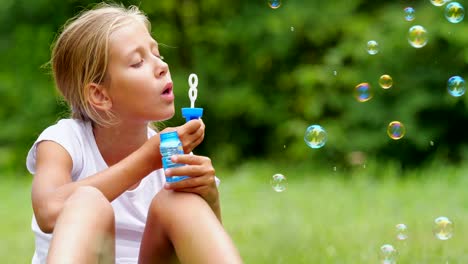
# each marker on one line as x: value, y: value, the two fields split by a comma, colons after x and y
x: 52, y: 183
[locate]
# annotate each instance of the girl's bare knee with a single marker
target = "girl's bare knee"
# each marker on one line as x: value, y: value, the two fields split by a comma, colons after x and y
x: 90, y: 199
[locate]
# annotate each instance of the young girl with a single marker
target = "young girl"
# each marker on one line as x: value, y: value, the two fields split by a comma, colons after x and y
x: 99, y: 194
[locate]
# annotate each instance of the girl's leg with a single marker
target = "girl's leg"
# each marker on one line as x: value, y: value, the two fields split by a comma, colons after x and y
x: 85, y: 230
x: 182, y: 226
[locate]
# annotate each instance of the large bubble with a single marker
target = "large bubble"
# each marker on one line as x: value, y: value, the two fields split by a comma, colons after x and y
x: 439, y: 2
x: 396, y: 130
x: 315, y: 136
x: 372, y: 47
x: 409, y: 13
x: 443, y: 228
x: 386, y: 81
x: 363, y: 92
x: 456, y: 86
x: 274, y: 3
x: 417, y: 36
x: 388, y: 254
x: 454, y: 12
x: 278, y: 182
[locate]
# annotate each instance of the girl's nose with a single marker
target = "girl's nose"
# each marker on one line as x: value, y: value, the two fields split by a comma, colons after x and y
x: 161, y: 68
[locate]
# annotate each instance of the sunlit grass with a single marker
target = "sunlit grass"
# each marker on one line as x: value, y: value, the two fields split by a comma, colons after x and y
x: 345, y: 217
x: 322, y: 216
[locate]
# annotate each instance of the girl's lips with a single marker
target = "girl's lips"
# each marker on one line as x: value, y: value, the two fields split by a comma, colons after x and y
x: 167, y: 93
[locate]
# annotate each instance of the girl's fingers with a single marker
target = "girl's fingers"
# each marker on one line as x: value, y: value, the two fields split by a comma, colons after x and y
x: 191, y: 183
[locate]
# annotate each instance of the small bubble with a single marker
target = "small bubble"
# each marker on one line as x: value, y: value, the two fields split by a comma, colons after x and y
x: 278, y: 182
x: 315, y: 136
x: 396, y: 130
x: 284, y: 146
x: 409, y: 13
x: 454, y: 12
x: 292, y: 29
x: 335, y: 73
x: 385, y: 81
x: 274, y: 3
x: 456, y: 86
x: 363, y: 92
x: 443, y: 228
x: 431, y: 143
x: 388, y: 254
x: 334, y: 168
x: 402, y: 232
x: 372, y: 47
x: 439, y: 2
x: 417, y: 36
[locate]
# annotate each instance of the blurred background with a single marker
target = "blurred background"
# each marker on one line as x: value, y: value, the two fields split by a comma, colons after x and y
x: 265, y: 75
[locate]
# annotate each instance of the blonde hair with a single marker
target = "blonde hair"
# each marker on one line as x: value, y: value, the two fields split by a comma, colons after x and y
x: 81, y: 52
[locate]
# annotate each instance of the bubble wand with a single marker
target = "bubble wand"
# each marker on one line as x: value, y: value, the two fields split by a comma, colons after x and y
x: 192, y: 112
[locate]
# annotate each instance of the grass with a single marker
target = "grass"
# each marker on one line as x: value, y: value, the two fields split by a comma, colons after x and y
x: 322, y: 216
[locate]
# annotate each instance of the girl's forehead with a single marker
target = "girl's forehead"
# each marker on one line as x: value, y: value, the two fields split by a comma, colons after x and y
x: 129, y: 36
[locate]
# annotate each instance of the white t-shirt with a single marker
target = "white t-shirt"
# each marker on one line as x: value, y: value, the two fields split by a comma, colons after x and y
x: 130, y: 208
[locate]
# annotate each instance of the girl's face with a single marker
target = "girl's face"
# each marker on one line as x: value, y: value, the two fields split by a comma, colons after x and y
x: 139, y: 83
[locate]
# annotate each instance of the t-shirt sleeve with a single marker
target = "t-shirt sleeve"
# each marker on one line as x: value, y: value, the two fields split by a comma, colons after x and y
x: 63, y: 134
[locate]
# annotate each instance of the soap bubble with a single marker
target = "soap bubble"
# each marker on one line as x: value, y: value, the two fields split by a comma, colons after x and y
x: 402, y: 232
x: 363, y: 92
x: 456, y: 86
x: 417, y: 36
x: 396, y: 130
x: 372, y: 47
x: 454, y: 12
x: 315, y: 136
x: 386, y: 81
x: 278, y: 182
x: 274, y: 3
x: 443, y: 228
x: 439, y: 2
x: 409, y: 13
x: 388, y: 254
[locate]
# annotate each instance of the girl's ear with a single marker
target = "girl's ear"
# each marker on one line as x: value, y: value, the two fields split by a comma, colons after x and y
x: 98, y: 97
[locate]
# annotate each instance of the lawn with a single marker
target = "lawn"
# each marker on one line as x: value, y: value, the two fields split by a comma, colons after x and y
x: 322, y: 217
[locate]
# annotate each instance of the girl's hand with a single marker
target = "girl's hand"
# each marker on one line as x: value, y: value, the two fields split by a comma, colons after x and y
x: 202, y: 177
x: 191, y: 134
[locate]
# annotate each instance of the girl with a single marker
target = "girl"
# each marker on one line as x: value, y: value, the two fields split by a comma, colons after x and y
x: 99, y: 193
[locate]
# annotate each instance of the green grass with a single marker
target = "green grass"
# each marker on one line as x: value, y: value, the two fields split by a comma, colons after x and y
x: 322, y: 217
x: 345, y: 217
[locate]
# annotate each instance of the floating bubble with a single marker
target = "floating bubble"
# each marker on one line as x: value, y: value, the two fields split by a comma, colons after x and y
x: 402, y: 232
x: 456, y: 86
x: 385, y: 81
x: 372, y: 47
x: 388, y: 254
x: 439, y: 2
x: 417, y: 36
x: 443, y: 228
x: 278, y: 182
x: 315, y: 136
x: 454, y: 12
x: 396, y: 130
x: 363, y: 92
x: 409, y: 13
x: 274, y: 3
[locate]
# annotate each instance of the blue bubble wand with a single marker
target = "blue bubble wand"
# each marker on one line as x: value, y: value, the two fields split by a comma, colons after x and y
x: 192, y: 112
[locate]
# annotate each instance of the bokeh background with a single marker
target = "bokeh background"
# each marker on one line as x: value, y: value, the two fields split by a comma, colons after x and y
x: 265, y: 75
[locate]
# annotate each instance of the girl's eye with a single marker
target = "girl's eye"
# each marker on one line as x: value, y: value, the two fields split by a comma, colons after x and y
x: 138, y: 64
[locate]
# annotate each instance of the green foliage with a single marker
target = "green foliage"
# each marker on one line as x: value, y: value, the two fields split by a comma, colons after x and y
x: 265, y: 75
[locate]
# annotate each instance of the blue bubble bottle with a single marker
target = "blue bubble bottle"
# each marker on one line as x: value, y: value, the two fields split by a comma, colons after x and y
x: 171, y: 145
